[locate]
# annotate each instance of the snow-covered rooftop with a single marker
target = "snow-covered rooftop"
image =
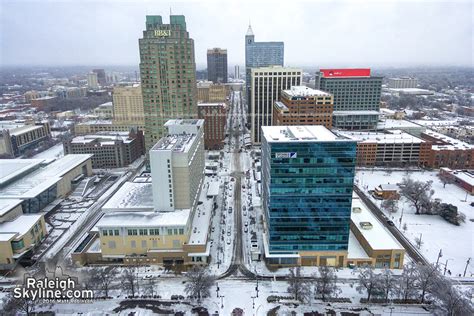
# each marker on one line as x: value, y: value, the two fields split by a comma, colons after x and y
x: 104, y: 139
x: 132, y: 196
x: 20, y: 225
x: 24, y: 129
x: 395, y: 136
x: 308, y: 133
x: 362, y: 112
x: 355, y: 250
x: 12, y: 168
x: 175, y: 143
x: 378, y: 237
x: 451, y: 143
x: 7, y: 204
x: 303, y: 91
x: 398, y: 124
x: 25, y: 186
x: 145, y: 219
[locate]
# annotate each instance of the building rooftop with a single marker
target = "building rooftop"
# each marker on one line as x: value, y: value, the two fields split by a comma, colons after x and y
x: 395, y: 136
x: 197, y: 122
x: 398, y: 124
x: 276, y: 68
x: 303, y: 91
x: 451, y: 143
x: 175, y: 143
x: 145, y: 219
x: 132, y: 196
x: 20, y: 225
x: 7, y: 204
x: 103, y: 138
x: 309, y: 133
x: 355, y: 112
x: 25, y: 129
x: 378, y: 237
x: 24, y: 186
x: 346, y: 72
x: 280, y: 105
x: 212, y: 104
x: 96, y: 122
x: 465, y: 176
x: 355, y: 249
x: 13, y: 168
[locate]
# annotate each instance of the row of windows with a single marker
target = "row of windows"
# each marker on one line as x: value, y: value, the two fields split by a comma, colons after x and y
x: 143, y: 232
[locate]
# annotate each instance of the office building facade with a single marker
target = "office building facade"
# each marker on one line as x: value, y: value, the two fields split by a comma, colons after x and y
x: 92, y: 81
x: 402, y: 83
x: 168, y: 75
x: 356, y: 97
x: 266, y: 86
x: 214, y: 116
x: 128, y: 105
x: 301, y: 105
x: 177, y: 161
x: 260, y: 54
x: 307, y: 179
x: 101, y: 78
x: 217, y: 65
x: 207, y: 92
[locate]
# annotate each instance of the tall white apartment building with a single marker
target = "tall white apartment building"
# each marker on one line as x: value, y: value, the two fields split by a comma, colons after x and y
x: 265, y: 88
x: 177, y: 166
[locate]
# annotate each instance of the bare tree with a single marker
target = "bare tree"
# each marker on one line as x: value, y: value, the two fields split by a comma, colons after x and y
x: 418, y: 242
x: 13, y: 306
x: 450, y: 301
x: 368, y: 281
x: 406, y: 286
x: 298, y: 286
x: 387, y: 283
x: 103, y: 278
x: 445, y: 179
x: 130, y: 281
x: 199, y: 282
x: 326, y: 283
x: 390, y: 205
x: 418, y: 193
x: 426, y: 276
x: 150, y: 286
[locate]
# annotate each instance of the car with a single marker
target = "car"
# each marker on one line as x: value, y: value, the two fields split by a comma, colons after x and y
x: 232, y: 179
x: 243, y: 207
x: 228, y: 241
x: 213, y: 229
x: 472, y: 203
x: 246, y: 229
x: 246, y: 223
x: 245, y: 213
x: 390, y: 223
x: 230, y: 210
x: 228, y: 233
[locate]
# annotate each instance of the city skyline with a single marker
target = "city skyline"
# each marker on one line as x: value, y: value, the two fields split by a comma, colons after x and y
x: 363, y: 34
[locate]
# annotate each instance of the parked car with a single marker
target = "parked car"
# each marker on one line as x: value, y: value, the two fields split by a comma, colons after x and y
x: 246, y: 229
x: 246, y: 223
x: 390, y: 223
x: 228, y: 241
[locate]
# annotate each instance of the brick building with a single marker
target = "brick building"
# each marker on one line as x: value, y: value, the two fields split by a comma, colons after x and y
x: 301, y: 105
x: 214, y: 115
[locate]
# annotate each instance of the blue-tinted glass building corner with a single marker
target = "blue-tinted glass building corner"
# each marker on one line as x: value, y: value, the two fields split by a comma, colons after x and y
x: 307, y: 179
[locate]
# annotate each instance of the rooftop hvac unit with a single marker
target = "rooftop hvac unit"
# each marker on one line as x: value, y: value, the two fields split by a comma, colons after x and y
x: 356, y: 210
x: 366, y: 225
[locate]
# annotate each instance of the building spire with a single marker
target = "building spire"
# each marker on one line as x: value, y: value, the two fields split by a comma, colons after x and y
x: 249, y: 30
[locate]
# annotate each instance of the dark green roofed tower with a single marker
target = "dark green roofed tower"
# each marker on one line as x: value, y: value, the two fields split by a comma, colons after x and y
x: 168, y: 74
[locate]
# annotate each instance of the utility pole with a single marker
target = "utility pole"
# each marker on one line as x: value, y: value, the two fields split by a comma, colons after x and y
x: 467, y: 264
x: 440, y: 254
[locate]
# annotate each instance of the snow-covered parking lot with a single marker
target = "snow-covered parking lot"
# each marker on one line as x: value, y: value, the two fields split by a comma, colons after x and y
x: 456, y: 242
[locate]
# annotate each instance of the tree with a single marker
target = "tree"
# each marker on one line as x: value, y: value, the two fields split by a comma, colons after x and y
x: 298, y: 286
x: 406, y: 286
x: 103, y: 278
x: 448, y: 300
x: 150, y: 286
x: 368, y: 281
x: 445, y: 180
x: 13, y: 306
x: 130, y: 281
x: 418, y: 193
x: 390, y: 205
x: 326, y: 283
x: 426, y: 276
x: 386, y: 283
x: 199, y: 282
x: 418, y: 242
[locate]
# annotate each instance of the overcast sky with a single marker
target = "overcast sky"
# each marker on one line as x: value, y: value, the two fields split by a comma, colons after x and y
x: 316, y: 33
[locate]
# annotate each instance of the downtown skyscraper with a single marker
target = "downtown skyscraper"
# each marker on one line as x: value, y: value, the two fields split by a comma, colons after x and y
x: 168, y: 74
x: 217, y: 65
x: 260, y: 54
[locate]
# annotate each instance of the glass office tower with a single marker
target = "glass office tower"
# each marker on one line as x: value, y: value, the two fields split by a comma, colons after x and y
x: 307, y: 178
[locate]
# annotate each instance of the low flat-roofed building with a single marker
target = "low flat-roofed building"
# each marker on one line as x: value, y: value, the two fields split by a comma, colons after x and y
x: 10, y: 209
x: 97, y: 126
x: 132, y: 196
x: 393, y: 147
x: 38, y: 182
x: 448, y: 151
x: 18, y: 236
x: 403, y: 125
x: 462, y: 178
x: 374, y: 237
x: 387, y: 192
x: 109, y: 149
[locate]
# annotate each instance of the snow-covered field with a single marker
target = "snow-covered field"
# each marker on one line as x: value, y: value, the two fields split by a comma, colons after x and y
x: 456, y: 242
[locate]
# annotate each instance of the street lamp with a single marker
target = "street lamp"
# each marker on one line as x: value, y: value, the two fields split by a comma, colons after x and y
x: 467, y: 264
x: 446, y: 265
x: 222, y: 301
x: 440, y: 254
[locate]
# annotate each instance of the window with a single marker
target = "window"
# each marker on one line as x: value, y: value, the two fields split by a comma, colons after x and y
x: 104, y: 232
x: 176, y: 244
x: 144, y: 244
x: 132, y: 232
x: 116, y: 232
x: 155, y: 243
x: 112, y: 244
x: 170, y: 231
x: 133, y: 244
x: 143, y: 232
x: 181, y: 231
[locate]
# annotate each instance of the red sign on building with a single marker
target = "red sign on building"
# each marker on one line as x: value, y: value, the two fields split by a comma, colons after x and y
x: 348, y: 72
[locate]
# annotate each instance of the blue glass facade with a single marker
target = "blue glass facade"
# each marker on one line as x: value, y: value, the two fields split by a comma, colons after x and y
x: 260, y: 54
x: 307, y: 199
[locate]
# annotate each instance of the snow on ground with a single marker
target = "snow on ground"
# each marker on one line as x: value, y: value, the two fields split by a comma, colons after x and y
x: 56, y: 151
x: 456, y: 242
